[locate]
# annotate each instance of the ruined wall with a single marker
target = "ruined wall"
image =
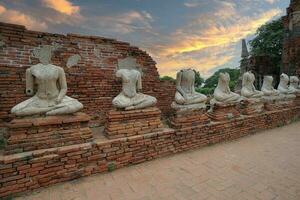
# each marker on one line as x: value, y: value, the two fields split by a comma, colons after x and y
x: 91, y: 81
x: 30, y: 170
x: 291, y: 44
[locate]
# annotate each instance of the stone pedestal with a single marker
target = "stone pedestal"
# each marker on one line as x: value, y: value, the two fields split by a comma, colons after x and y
x: 223, y: 112
x: 278, y: 104
x: 249, y: 107
x: 134, y: 122
x: 183, y: 118
x: 297, y: 100
x: 27, y: 134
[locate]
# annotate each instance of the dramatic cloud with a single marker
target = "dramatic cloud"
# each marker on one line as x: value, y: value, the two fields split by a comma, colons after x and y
x: 191, y: 4
x: 190, y: 44
x: 17, y: 17
x: 62, y: 6
x: 132, y: 21
x: 204, y: 35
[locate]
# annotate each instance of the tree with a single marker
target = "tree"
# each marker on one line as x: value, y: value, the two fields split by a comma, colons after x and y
x: 268, y: 41
x: 167, y: 78
x: 211, y: 83
x: 198, y: 79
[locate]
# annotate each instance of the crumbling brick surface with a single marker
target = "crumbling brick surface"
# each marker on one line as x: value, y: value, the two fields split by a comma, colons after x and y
x: 31, y: 170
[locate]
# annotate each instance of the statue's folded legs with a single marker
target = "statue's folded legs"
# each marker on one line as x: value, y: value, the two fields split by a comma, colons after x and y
x: 137, y: 102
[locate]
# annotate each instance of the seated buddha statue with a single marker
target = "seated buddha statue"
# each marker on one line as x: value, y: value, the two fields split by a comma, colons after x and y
x: 248, y: 89
x: 283, y: 87
x: 185, y: 89
x: 130, y: 98
x: 51, y: 87
x: 268, y: 89
x: 294, y: 84
x: 222, y: 94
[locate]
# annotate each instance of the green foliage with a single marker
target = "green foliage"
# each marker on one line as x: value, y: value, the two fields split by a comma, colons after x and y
x: 2, y: 142
x: 111, y: 167
x: 205, y: 91
x: 198, y: 79
x: 268, y: 41
x: 167, y: 78
x: 211, y: 83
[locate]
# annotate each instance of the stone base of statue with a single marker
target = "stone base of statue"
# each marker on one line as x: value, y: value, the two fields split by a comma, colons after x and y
x: 133, y: 122
x: 251, y: 106
x: 223, y: 112
x: 277, y: 103
x: 297, y: 99
x: 188, y: 115
x: 43, y: 132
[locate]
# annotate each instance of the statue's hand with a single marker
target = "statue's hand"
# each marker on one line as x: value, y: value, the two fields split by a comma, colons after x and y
x: 58, y: 100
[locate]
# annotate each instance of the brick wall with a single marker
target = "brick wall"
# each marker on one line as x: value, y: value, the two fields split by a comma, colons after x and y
x: 30, y: 170
x: 92, y: 81
x: 291, y: 43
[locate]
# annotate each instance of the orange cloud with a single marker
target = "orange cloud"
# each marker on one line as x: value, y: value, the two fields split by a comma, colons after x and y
x: 213, y: 46
x: 17, y: 17
x: 218, y: 35
x: 62, y: 6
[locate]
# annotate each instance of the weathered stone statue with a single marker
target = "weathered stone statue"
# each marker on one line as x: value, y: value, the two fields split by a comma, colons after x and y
x: 130, y: 98
x: 51, y: 88
x: 268, y: 89
x: 222, y: 93
x: 283, y: 87
x: 186, y: 96
x: 248, y: 89
x: 294, y: 85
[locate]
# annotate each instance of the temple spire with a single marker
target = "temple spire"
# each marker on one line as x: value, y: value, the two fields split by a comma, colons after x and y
x: 245, y: 53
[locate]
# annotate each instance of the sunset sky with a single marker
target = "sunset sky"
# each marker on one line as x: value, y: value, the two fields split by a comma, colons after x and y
x: 202, y: 34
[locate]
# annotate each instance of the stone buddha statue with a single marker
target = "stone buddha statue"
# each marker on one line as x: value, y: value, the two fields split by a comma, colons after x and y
x: 185, y: 89
x: 248, y: 89
x: 283, y: 87
x: 130, y: 98
x: 294, y: 84
x: 268, y: 90
x: 51, y: 88
x: 222, y: 93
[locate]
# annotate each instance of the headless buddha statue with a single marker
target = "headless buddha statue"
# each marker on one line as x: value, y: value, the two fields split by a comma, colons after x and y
x: 248, y: 89
x: 130, y: 98
x: 222, y: 93
x: 185, y: 89
x: 51, y: 88
x: 283, y: 87
x: 294, y: 84
x: 267, y: 87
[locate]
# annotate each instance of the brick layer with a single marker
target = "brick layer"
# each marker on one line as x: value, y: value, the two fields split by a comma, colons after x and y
x: 31, y: 170
x: 189, y: 118
x: 221, y: 113
x: 135, y: 122
x: 29, y: 134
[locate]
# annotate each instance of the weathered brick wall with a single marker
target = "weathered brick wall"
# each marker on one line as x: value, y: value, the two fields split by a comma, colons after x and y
x: 291, y: 43
x: 30, y: 170
x: 92, y: 81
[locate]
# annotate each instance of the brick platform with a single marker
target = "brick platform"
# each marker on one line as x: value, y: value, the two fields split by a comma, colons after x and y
x: 278, y: 105
x: 189, y: 118
x: 40, y: 168
x: 135, y: 122
x: 29, y: 134
x: 250, y: 108
x: 224, y: 112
